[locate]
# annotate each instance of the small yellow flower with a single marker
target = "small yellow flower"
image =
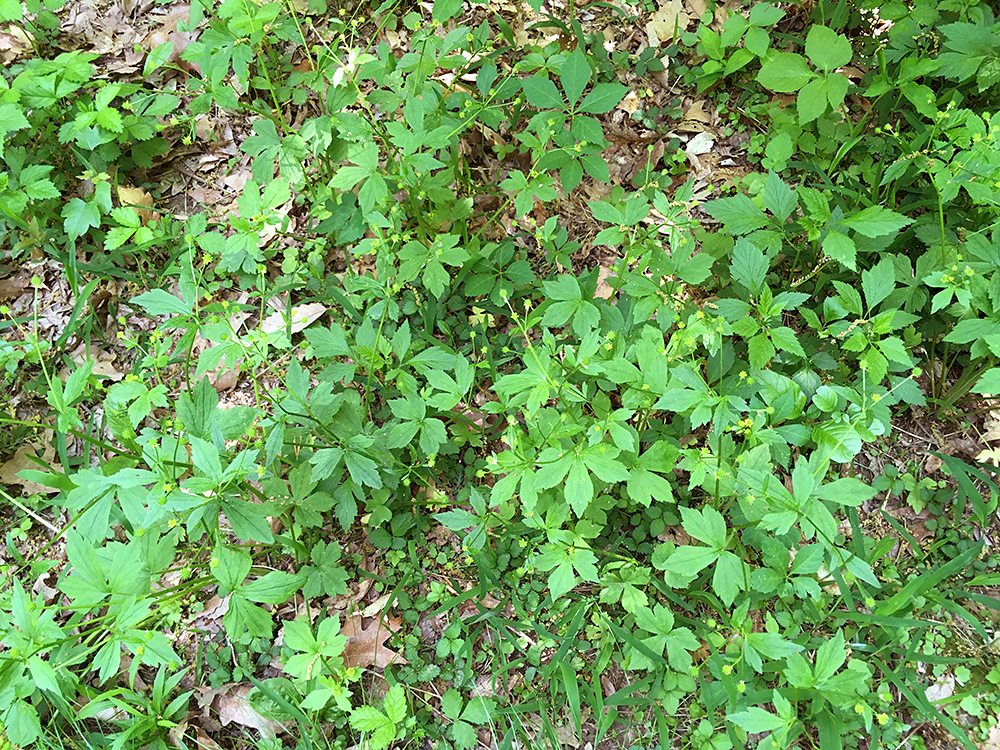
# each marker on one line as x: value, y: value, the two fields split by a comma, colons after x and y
x: 859, y: 709
x: 727, y: 669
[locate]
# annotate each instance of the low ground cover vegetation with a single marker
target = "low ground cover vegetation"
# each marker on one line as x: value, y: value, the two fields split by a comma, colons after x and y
x: 484, y: 375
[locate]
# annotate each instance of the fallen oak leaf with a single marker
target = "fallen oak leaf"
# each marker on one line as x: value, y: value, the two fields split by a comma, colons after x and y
x: 232, y: 705
x: 366, y: 646
x: 11, y: 470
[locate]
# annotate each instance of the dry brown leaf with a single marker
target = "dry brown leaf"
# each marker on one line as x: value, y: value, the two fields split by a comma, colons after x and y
x: 204, y: 741
x: 176, y: 734
x: 19, y: 462
x: 302, y: 316
x: 365, y: 646
x: 168, y: 33
x: 14, y: 42
x: 991, y: 428
x: 13, y: 286
x: 225, y: 380
x: 698, y: 7
x: 697, y: 112
x: 991, y: 455
x: 630, y: 103
x: 210, y: 618
x: 992, y: 739
x: 700, y: 145
x: 604, y: 290
x: 669, y: 20
x: 135, y: 197
x: 234, y: 708
x: 378, y: 606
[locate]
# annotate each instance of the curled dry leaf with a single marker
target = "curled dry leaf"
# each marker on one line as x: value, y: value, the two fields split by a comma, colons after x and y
x: 13, y: 286
x: 696, y: 113
x: 20, y: 461
x: 991, y: 428
x: 14, y: 42
x: 138, y: 200
x: 230, y: 702
x: 302, y: 316
x: 365, y: 646
x: 668, y: 21
x: 630, y: 103
x: 604, y: 290
x: 378, y: 606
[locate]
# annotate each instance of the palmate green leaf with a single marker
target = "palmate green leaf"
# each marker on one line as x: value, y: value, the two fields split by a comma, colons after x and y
x: 274, y: 587
x: 989, y: 383
x: 433, y: 434
x: 827, y: 49
x: 542, y: 93
x: 894, y: 350
x: 603, y: 98
x: 230, y: 565
x: 601, y: 460
x: 878, y: 282
x: 785, y: 340
x: 553, y: 465
x: 328, y: 342
x: 706, y: 525
x: 841, y: 248
x: 728, y: 578
x: 326, y: 576
x: 363, y: 470
x: 689, y: 560
x: 564, y: 287
x: 785, y: 72
x: 779, y: 199
x: 205, y: 457
x: 445, y: 10
x: 575, y: 75
x: 579, y: 487
x: 778, y: 151
x: 921, y: 97
x: 757, y: 720
x: 247, y: 520
x: 571, y: 175
x: 760, y: 351
x: 812, y: 100
x: 876, y: 221
x: 830, y: 657
x: 846, y: 491
x: 79, y: 217
x: 645, y: 486
x: 157, y: 57
x: 395, y: 704
x: 603, y: 211
x: 161, y: 302
x: 749, y: 265
x: 11, y: 116
x: 561, y: 580
x: 568, y: 565
x: 772, y: 645
x: 381, y: 731
x: 739, y: 214
x: 839, y: 441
